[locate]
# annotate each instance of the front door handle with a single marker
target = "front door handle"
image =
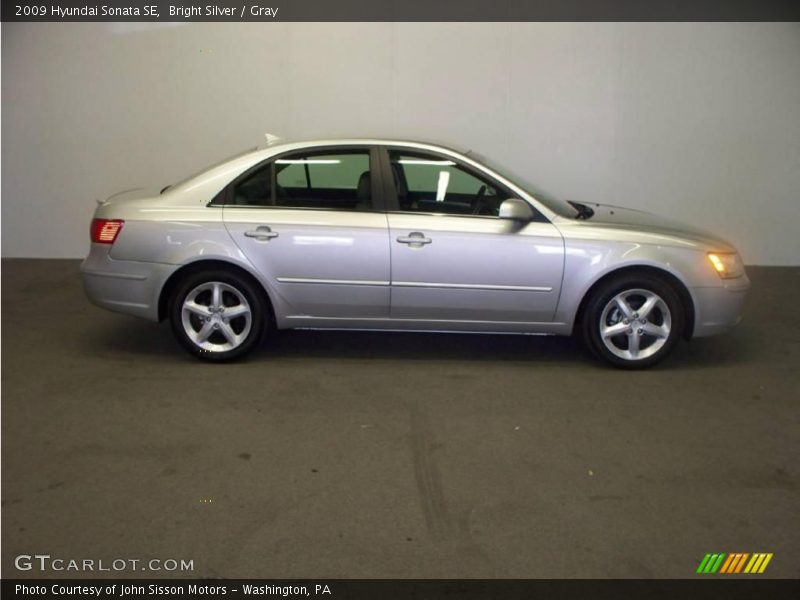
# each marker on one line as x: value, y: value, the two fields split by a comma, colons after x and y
x: 262, y: 233
x: 415, y: 239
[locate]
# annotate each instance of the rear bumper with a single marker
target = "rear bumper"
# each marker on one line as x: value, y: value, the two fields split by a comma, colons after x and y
x: 718, y: 309
x: 123, y: 286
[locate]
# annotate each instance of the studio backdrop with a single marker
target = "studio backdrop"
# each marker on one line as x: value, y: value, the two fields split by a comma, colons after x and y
x: 697, y: 121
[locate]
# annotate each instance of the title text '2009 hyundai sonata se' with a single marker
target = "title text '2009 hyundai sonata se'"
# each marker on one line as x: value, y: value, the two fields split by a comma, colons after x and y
x: 397, y: 235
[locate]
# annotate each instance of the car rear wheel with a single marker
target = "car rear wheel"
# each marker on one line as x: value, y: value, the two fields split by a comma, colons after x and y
x: 633, y: 321
x: 217, y: 316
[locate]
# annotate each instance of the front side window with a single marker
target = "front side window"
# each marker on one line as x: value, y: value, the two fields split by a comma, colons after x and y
x: 434, y: 184
x: 337, y: 180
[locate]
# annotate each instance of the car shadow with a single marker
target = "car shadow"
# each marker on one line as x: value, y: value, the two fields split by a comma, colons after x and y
x: 124, y: 336
x: 363, y: 345
x: 717, y: 351
x: 120, y: 335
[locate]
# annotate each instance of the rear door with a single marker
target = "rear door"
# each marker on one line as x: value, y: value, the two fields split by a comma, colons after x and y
x: 311, y: 222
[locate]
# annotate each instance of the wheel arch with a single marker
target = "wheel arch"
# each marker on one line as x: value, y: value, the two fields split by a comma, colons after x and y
x: 679, y: 286
x: 204, y: 265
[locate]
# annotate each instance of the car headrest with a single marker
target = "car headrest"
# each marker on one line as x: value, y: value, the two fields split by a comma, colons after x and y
x: 399, y: 183
x: 364, y: 190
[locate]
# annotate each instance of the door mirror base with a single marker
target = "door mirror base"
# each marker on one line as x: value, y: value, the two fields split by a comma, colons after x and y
x: 516, y: 210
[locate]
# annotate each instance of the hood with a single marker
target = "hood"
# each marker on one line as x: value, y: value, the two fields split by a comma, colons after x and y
x: 617, y: 217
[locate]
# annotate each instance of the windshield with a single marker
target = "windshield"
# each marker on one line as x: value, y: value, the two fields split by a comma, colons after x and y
x: 558, y: 206
x: 208, y: 168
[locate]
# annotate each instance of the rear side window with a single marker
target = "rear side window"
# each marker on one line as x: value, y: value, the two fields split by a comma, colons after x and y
x: 334, y: 180
x: 322, y: 171
x: 255, y: 189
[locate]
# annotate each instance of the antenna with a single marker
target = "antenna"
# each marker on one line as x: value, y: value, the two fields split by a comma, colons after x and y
x: 272, y: 139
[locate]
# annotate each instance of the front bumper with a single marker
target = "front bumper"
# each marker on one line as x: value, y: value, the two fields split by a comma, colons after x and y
x: 123, y: 286
x: 718, y: 309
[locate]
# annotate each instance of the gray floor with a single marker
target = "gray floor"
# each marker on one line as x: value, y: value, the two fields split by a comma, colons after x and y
x: 394, y: 455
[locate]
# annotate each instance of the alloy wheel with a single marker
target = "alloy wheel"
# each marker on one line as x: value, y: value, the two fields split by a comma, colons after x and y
x: 216, y: 316
x: 635, y: 324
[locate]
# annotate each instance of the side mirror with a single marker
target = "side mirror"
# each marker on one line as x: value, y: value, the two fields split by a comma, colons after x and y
x: 516, y: 210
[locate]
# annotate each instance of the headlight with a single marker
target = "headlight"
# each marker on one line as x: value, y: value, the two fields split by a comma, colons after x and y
x: 728, y: 265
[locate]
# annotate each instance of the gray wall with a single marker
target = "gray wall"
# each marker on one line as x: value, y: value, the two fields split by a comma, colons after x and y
x: 700, y: 121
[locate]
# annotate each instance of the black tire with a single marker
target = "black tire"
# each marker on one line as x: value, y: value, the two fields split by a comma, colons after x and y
x: 654, y: 348
x: 236, y: 294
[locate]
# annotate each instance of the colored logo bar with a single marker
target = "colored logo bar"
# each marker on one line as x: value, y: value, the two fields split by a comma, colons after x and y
x: 735, y: 562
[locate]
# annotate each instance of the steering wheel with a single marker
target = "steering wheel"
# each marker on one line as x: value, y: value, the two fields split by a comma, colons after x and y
x: 477, y: 202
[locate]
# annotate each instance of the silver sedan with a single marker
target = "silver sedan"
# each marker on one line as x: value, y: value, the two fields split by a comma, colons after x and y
x: 398, y: 235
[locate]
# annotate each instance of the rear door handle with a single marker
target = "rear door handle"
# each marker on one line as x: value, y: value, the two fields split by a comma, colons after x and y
x: 262, y: 233
x: 415, y: 239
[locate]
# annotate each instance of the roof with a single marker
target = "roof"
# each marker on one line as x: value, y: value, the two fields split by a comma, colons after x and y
x: 274, y: 141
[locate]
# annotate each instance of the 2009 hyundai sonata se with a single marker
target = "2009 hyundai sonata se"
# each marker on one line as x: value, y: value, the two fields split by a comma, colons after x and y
x: 398, y: 235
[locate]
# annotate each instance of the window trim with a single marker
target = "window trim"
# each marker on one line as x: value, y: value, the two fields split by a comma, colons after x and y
x: 390, y: 189
x: 224, y: 198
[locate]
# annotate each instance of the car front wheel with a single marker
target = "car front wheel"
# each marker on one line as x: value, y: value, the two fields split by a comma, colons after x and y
x: 217, y: 316
x: 633, y: 321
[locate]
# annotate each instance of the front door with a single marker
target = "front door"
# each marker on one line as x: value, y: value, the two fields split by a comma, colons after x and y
x: 454, y: 260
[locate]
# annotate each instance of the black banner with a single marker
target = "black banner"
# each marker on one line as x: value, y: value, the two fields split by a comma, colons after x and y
x: 732, y: 588
x: 407, y: 10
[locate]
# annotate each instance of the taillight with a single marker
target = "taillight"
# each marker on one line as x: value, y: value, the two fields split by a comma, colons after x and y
x: 105, y: 231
